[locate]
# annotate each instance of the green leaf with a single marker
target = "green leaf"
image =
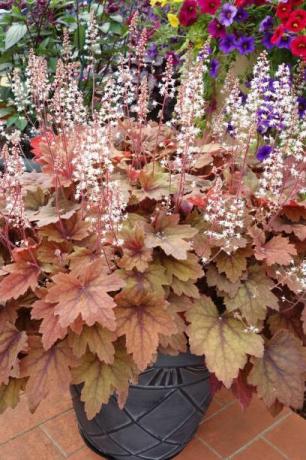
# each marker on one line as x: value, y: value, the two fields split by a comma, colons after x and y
x: 6, y: 111
x: 21, y: 123
x: 14, y: 34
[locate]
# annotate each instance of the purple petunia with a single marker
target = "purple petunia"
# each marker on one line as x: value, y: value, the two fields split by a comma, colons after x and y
x: 264, y: 152
x: 152, y: 51
x: 266, y: 40
x: 266, y: 24
x: 245, y: 45
x: 227, y: 14
x: 302, y: 105
x: 214, y: 68
x: 284, y: 41
x: 241, y: 15
x: 228, y: 43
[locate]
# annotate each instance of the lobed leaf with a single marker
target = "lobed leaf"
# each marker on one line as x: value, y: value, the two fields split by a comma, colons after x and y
x: 279, y: 374
x: 276, y: 251
x: 50, y: 327
x: 22, y: 276
x: 222, y: 339
x: 12, y: 342
x: 47, y: 370
x: 135, y: 253
x: 141, y: 317
x: 101, y: 380
x: 233, y: 265
x: 253, y: 296
x: 85, y: 295
x: 97, y: 339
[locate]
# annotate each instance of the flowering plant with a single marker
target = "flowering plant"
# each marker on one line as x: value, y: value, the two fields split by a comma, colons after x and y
x: 99, y: 27
x: 141, y: 236
x: 239, y: 27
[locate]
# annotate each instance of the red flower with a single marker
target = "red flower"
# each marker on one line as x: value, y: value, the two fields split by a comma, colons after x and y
x: 209, y: 6
x: 298, y: 47
x: 278, y: 33
x: 188, y: 13
x: 283, y: 10
x: 296, y: 21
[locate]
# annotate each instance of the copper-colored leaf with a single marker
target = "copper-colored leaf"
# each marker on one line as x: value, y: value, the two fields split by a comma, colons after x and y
x: 253, y: 296
x: 141, y: 317
x: 97, y: 339
x: 101, y: 380
x: 152, y: 279
x: 50, y: 327
x: 284, y: 225
x: 223, y: 340
x: 12, y: 342
x: 21, y: 276
x: 280, y: 374
x: 50, y: 213
x: 154, y: 184
x: 187, y: 288
x: 47, y: 370
x: 214, y: 278
x: 233, y: 265
x: 135, y: 253
x: 85, y: 295
x: 72, y: 229
x: 169, y: 235
x: 277, y: 251
x: 184, y: 270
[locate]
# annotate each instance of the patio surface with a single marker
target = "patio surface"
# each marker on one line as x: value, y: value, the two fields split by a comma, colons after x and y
x: 225, y: 433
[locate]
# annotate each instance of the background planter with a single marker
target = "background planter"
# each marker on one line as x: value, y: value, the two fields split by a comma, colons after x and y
x: 161, y: 415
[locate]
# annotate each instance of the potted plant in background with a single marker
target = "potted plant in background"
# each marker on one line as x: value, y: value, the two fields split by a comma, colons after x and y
x: 143, y: 246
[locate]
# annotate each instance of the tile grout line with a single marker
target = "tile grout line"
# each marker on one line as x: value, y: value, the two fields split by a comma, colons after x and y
x: 259, y: 436
x: 274, y: 447
x: 78, y: 450
x: 209, y: 447
x: 20, y: 433
x: 229, y: 404
x: 54, y: 442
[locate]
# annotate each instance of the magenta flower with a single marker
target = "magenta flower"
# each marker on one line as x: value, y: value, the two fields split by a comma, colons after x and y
x: 188, y: 13
x: 215, y: 29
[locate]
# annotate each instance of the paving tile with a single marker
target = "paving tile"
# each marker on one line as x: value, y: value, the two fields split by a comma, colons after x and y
x: 290, y: 437
x: 259, y: 450
x: 15, y: 421
x: 214, y: 407
x: 224, y: 396
x: 85, y: 454
x: 64, y: 431
x: 231, y: 428
x: 196, y: 450
x: 34, y: 445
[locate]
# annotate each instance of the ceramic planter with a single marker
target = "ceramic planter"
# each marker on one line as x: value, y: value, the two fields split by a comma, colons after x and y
x: 161, y: 415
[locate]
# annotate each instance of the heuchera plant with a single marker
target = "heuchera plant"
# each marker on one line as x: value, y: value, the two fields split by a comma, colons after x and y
x: 139, y: 236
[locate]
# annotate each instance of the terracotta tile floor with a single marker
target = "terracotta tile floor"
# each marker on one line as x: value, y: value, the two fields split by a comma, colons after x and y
x: 225, y: 433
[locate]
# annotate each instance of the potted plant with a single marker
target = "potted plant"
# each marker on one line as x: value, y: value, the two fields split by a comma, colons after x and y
x: 143, y: 247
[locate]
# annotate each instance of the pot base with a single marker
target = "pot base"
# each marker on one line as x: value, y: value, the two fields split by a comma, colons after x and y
x: 161, y: 415
x: 103, y: 455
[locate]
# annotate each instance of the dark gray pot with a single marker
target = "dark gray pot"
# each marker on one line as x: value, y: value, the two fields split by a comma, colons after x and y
x: 161, y: 415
